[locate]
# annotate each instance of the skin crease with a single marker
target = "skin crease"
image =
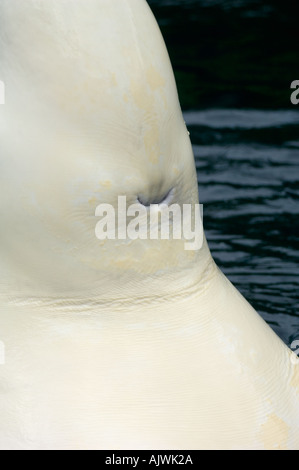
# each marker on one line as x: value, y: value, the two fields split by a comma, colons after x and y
x: 115, y: 344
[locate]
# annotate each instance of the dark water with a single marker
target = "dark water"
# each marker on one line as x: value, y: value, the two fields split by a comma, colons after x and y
x: 234, y: 62
x: 249, y: 188
x: 232, y: 53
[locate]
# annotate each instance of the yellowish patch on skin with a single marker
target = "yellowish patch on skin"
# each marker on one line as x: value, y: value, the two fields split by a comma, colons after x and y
x: 92, y: 200
x: 150, y: 141
x: 274, y: 433
x: 144, y: 101
x: 113, y: 79
x: 141, y: 97
x: 106, y: 184
x: 155, y: 80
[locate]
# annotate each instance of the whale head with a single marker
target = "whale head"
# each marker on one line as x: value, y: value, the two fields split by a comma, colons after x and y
x: 91, y: 114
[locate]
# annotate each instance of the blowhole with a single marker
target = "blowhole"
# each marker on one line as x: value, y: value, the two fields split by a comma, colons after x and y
x: 147, y: 202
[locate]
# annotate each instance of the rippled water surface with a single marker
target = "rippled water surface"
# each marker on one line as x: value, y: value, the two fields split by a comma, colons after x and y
x: 248, y: 173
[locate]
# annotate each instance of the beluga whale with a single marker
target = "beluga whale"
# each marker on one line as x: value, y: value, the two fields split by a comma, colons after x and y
x: 111, y: 341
